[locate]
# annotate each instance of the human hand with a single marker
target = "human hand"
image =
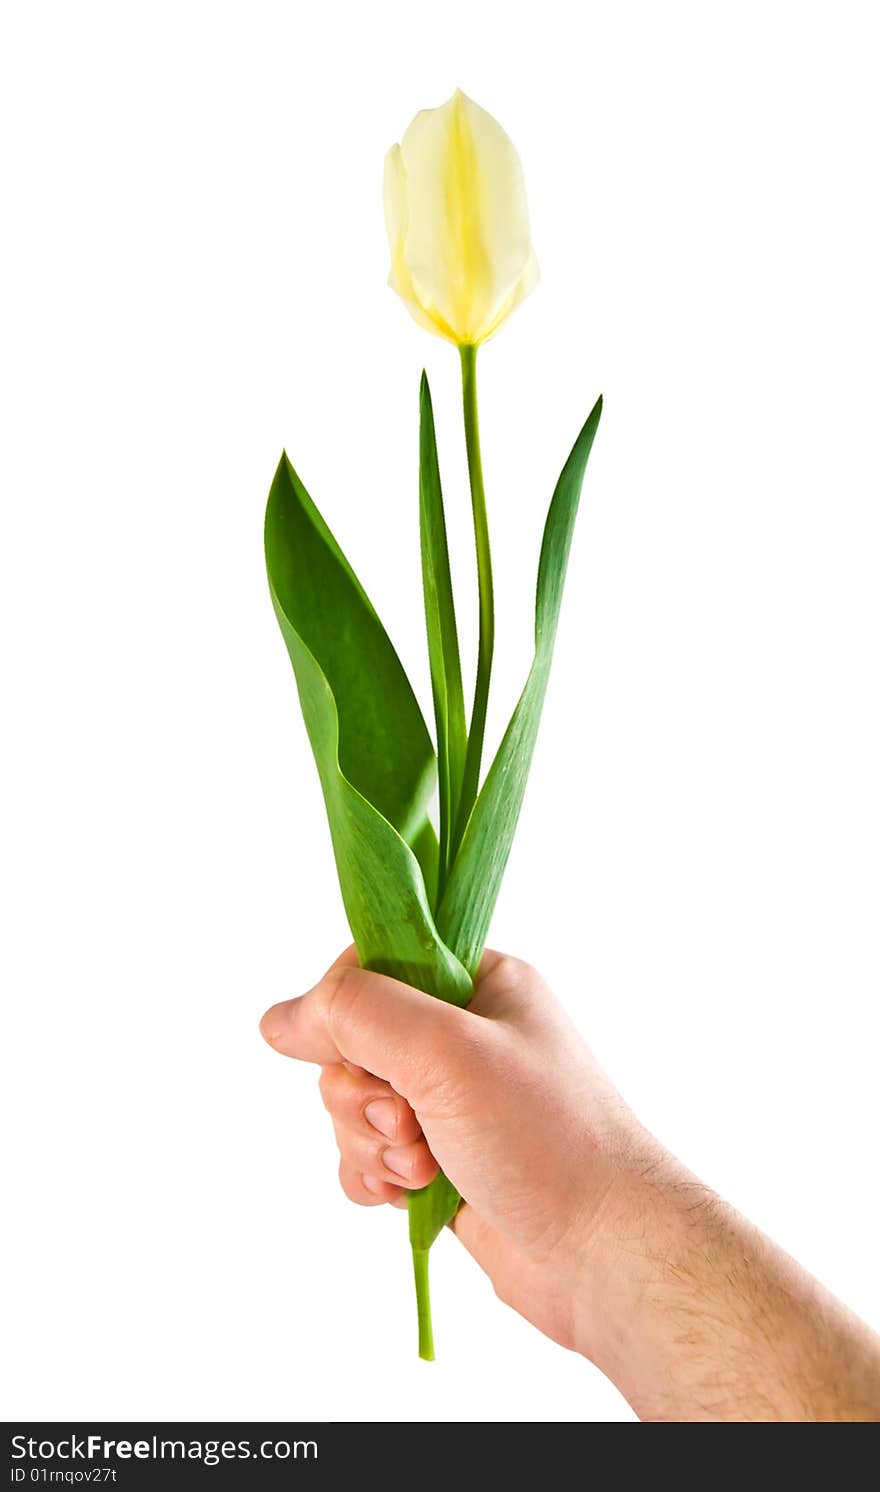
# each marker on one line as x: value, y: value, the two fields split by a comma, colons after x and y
x: 504, y: 1096
x: 583, y: 1222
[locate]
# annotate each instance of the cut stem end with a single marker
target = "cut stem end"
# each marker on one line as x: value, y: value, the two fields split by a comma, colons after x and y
x: 423, y: 1303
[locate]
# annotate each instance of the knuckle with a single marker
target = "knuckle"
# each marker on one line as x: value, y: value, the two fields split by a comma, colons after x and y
x: 340, y: 988
x: 525, y: 973
x: 424, y: 1167
x: 335, y: 1087
x: 509, y: 991
x: 345, y: 1181
x: 507, y: 968
x: 343, y: 990
x: 502, y: 968
x: 501, y: 1291
x: 352, y: 1182
x: 408, y: 1127
x: 514, y: 975
x: 370, y: 1149
x: 347, y: 1145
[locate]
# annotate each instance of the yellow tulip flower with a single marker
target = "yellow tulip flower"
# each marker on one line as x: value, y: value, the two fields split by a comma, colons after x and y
x: 457, y: 221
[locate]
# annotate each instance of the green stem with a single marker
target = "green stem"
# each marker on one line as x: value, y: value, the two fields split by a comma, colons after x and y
x: 430, y: 1209
x: 471, y: 780
x: 423, y: 1302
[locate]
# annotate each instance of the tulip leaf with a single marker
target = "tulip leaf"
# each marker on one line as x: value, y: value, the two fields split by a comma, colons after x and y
x: 370, y: 743
x: 442, y: 633
x: 467, y: 905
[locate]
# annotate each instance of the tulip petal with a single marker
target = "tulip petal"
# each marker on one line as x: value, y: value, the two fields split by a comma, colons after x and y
x: 523, y: 287
x: 396, y: 223
x: 457, y: 221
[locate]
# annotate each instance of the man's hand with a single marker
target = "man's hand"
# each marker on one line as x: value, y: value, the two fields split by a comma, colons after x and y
x: 582, y: 1221
x: 504, y: 1096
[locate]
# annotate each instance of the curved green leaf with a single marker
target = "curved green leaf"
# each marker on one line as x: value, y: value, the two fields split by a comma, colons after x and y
x: 469, y: 900
x: 370, y: 743
x: 384, y: 747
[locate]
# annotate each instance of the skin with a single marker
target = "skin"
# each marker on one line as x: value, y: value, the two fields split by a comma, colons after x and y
x: 582, y: 1221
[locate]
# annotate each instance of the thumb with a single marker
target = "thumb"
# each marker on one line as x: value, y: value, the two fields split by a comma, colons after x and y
x: 410, y: 1039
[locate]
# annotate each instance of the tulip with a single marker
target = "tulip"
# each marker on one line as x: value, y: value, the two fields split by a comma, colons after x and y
x: 461, y: 260
x: 457, y: 222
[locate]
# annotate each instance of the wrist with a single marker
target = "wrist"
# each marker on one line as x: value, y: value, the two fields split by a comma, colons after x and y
x: 642, y: 1279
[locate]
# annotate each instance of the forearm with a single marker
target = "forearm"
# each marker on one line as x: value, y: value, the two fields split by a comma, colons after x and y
x: 695, y: 1315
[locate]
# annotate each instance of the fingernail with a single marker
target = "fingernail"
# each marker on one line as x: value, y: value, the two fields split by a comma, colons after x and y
x: 382, y: 1114
x: 372, y: 1184
x: 399, y: 1160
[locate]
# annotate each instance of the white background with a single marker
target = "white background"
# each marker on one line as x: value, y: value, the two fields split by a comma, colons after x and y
x: 193, y: 275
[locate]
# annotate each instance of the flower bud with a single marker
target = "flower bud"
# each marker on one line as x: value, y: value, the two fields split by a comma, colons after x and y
x: 457, y: 222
